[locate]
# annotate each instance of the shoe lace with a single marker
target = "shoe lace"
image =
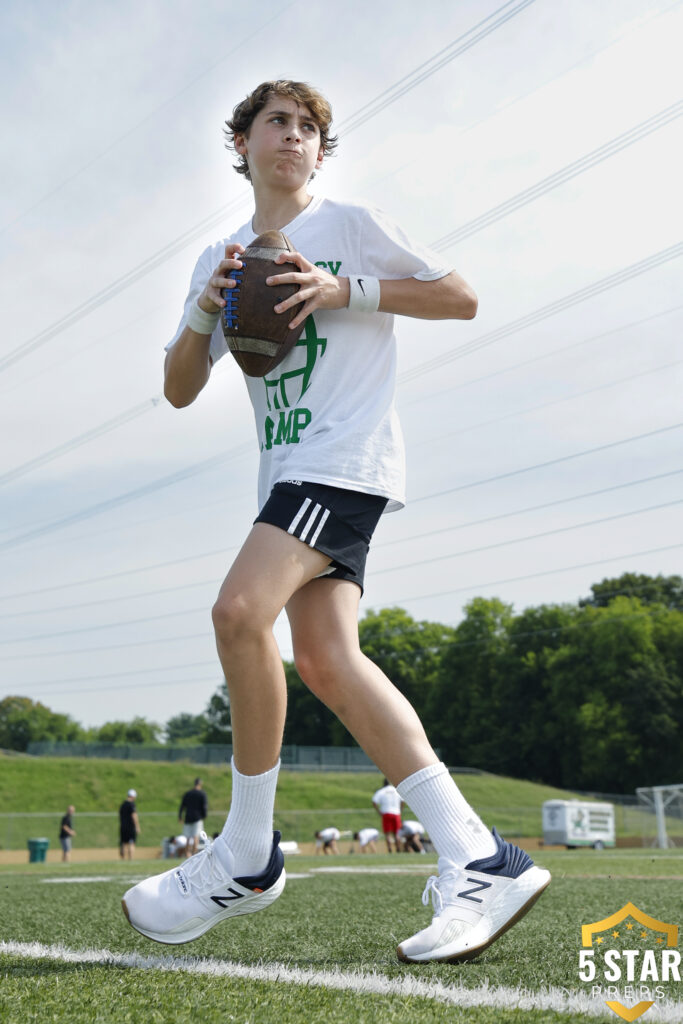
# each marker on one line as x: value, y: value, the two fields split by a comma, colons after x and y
x: 200, y: 868
x: 436, y: 887
x: 432, y: 890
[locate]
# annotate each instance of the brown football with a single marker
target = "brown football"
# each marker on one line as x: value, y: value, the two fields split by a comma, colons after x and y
x: 258, y: 337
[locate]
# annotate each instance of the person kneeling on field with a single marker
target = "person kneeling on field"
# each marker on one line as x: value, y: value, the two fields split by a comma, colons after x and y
x: 326, y: 840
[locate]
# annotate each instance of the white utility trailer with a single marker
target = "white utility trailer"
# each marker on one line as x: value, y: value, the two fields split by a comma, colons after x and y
x: 578, y: 823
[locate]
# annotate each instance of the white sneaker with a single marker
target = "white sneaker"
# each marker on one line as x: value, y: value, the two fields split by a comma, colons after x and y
x: 183, y: 903
x: 476, y: 904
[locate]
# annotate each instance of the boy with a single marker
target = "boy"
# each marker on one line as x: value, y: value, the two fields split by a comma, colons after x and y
x: 331, y: 464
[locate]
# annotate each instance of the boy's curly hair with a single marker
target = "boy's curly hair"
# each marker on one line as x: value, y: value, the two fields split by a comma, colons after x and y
x: 302, y: 93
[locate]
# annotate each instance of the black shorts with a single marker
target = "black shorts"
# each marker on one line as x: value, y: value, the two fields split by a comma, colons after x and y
x: 333, y: 520
x: 127, y: 835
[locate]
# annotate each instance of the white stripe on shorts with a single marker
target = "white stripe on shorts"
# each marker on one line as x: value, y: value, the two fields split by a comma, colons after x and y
x: 323, y: 520
x: 295, y: 521
x: 309, y: 522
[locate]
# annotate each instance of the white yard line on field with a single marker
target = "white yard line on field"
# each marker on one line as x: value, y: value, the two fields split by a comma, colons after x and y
x: 94, y: 878
x: 368, y: 982
x: 423, y: 869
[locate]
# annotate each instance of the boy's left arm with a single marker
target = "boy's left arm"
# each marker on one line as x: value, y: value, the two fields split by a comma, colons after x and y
x: 448, y: 298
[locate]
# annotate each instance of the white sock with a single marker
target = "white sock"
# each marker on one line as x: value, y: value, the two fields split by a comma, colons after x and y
x: 458, y: 833
x: 248, y: 830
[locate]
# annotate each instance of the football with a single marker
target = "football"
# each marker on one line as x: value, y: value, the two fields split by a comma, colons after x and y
x: 258, y: 337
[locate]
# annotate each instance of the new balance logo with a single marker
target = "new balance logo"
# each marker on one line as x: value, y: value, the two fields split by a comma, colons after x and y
x: 466, y: 894
x: 223, y: 901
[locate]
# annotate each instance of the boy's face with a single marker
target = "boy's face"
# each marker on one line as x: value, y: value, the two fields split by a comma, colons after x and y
x: 283, y: 144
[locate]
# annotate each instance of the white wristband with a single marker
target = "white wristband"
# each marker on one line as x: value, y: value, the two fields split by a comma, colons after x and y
x: 200, y: 321
x: 363, y: 294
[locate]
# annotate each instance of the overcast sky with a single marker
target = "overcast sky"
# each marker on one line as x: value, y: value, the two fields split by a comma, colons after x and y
x: 114, y: 541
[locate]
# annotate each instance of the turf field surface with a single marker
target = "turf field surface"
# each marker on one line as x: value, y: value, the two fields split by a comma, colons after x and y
x: 324, y: 952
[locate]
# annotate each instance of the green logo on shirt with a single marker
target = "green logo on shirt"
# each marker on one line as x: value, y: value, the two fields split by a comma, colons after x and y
x: 285, y: 427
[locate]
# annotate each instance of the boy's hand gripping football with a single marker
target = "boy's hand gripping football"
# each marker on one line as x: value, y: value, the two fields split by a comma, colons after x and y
x: 318, y: 288
x: 211, y: 299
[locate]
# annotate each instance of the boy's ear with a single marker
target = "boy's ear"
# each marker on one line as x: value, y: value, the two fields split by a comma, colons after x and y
x: 240, y: 144
x: 319, y: 161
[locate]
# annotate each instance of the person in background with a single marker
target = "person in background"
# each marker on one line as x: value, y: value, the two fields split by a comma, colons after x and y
x: 410, y: 837
x: 129, y: 825
x: 177, y: 846
x: 194, y: 806
x: 388, y: 803
x: 66, y: 831
x: 326, y: 840
x: 367, y: 839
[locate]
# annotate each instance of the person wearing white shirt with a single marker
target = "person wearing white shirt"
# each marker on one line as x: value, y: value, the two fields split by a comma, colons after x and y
x: 326, y: 840
x: 388, y: 803
x: 367, y: 839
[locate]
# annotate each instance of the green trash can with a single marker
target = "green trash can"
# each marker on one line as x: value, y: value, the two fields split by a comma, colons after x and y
x: 37, y: 848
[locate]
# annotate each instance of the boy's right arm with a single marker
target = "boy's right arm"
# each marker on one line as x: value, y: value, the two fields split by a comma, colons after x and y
x: 188, y: 364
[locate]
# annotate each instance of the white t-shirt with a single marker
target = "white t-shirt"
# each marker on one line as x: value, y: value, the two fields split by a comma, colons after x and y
x: 326, y: 835
x: 387, y: 800
x: 411, y: 828
x: 367, y: 835
x: 326, y: 414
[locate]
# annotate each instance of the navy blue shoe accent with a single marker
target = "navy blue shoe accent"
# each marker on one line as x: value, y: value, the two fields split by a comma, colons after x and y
x: 508, y: 860
x: 259, y: 883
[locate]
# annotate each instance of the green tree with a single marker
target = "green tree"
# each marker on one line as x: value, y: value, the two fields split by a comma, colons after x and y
x: 185, y: 729
x: 471, y: 686
x: 616, y: 699
x: 23, y: 721
x: 665, y: 590
x: 408, y: 652
x: 217, y: 714
x: 309, y: 722
x: 139, y: 730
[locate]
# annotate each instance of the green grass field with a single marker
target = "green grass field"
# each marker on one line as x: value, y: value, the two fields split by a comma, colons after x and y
x: 270, y: 968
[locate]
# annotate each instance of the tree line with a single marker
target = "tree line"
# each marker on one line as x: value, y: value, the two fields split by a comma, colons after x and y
x: 586, y: 696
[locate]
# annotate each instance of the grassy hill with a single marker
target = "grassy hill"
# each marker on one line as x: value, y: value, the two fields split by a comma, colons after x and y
x: 44, y: 787
x: 49, y: 784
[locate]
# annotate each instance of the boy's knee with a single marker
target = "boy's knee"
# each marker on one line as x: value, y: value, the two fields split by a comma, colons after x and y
x: 233, y: 618
x: 321, y: 668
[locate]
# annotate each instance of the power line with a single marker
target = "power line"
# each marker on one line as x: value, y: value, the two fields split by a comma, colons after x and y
x: 487, y: 339
x: 549, y: 462
x: 395, y: 568
x: 176, y: 638
x: 116, y: 287
x: 453, y: 642
x: 127, y: 672
x: 536, y: 575
x: 459, y: 46
x: 148, y: 117
x: 543, y: 355
x: 113, y: 289
x: 596, y: 156
x: 515, y: 512
x: 548, y: 405
x: 543, y: 312
x: 241, y: 450
x: 139, y: 492
x: 442, y: 557
x: 54, y: 453
x: 221, y: 551
x: 106, y: 625
x: 572, y: 170
x: 134, y: 686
